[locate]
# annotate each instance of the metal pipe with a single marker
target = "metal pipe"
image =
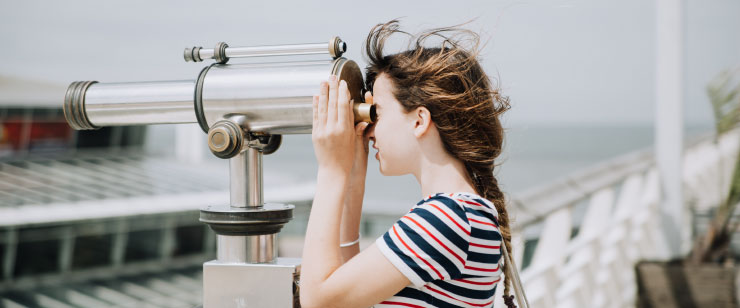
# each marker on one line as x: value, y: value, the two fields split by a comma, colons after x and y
x: 246, y: 248
x: 281, y: 50
x: 90, y: 105
x: 222, y: 52
x: 245, y: 171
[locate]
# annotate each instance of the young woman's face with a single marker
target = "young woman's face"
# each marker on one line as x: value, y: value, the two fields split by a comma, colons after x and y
x: 392, y: 134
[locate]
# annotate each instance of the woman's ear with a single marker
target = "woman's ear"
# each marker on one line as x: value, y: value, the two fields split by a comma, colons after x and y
x: 422, y: 121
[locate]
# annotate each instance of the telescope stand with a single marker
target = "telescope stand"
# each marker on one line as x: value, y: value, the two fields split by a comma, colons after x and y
x: 247, y: 271
x: 277, y: 98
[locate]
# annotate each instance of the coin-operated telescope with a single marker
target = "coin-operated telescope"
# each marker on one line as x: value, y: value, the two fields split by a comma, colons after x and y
x: 244, y: 108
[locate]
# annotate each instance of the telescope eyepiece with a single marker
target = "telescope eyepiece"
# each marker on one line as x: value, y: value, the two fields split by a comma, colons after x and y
x: 337, y: 47
x: 364, y: 112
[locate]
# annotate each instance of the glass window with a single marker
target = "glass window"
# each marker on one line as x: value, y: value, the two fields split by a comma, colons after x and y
x: 92, y: 250
x: 143, y: 245
x: 37, y: 251
x: 189, y: 240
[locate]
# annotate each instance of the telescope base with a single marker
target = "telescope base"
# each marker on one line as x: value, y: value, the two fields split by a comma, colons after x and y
x: 251, y: 285
x: 229, y: 220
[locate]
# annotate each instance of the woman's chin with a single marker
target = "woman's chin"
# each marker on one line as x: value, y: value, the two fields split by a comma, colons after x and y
x: 386, y: 172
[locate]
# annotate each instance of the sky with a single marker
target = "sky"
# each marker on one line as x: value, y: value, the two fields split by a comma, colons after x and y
x: 560, y: 62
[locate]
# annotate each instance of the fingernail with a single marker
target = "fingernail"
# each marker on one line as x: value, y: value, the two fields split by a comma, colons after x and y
x: 332, y: 78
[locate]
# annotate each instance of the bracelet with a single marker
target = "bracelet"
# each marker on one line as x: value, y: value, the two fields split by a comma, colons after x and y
x: 342, y: 245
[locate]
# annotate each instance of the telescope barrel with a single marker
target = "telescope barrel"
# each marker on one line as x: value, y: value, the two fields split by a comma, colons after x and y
x: 91, y: 105
x: 275, y: 98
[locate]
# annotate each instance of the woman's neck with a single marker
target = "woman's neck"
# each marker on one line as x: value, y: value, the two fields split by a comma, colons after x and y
x: 442, y: 173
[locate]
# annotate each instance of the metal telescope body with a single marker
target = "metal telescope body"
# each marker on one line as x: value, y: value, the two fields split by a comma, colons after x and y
x: 244, y: 108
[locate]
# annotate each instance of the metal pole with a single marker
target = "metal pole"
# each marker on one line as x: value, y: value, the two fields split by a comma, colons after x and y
x: 254, y: 177
x: 245, y: 170
x: 246, y: 249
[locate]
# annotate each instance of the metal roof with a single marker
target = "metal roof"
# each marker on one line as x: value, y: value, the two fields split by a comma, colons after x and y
x: 92, y: 185
x: 102, y: 184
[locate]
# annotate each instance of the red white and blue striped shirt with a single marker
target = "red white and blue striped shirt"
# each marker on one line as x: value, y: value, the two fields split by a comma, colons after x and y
x: 448, y: 246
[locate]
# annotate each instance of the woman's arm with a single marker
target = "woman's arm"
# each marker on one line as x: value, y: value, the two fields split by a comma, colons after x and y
x: 349, y: 229
x: 368, y: 277
x: 352, y: 212
x: 364, y: 280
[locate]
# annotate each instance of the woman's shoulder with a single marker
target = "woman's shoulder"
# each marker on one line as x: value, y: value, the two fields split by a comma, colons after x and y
x: 462, y: 203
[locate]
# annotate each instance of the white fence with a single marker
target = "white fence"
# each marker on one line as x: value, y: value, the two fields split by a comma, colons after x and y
x: 588, y: 230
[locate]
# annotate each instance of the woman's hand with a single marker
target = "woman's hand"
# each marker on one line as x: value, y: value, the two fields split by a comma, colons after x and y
x: 333, y: 135
x: 362, y: 148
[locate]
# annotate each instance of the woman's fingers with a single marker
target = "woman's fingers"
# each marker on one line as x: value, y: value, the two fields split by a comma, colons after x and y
x: 362, y: 140
x: 331, y: 116
x: 368, y: 97
x: 344, y: 114
x: 323, y: 102
x: 360, y: 129
x: 333, y: 104
x: 315, y: 109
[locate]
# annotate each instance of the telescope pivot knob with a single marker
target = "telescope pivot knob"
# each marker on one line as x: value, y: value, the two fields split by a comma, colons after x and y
x: 225, y: 139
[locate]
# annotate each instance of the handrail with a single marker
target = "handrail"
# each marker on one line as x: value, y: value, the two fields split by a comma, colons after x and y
x: 588, y: 261
x: 534, y: 204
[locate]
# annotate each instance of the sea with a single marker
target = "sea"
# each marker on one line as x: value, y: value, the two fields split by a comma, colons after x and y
x: 532, y: 155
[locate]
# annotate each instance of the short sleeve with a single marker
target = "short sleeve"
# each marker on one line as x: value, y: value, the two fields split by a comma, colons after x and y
x: 429, y: 243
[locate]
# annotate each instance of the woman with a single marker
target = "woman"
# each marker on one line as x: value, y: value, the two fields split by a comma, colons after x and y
x: 438, y: 120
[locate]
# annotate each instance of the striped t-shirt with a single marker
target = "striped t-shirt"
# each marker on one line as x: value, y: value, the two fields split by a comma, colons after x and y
x: 448, y: 246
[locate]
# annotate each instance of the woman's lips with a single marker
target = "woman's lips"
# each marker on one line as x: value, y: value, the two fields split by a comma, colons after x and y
x: 376, y: 155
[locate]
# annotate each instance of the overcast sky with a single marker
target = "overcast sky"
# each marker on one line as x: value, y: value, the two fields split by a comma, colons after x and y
x: 579, y: 61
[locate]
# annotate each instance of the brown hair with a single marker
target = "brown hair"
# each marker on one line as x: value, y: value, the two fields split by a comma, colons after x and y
x: 464, y: 106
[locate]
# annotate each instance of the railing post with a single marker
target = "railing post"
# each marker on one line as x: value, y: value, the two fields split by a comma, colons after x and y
x: 669, y: 121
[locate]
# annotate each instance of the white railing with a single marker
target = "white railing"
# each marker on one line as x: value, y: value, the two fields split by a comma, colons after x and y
x: 593, y: 226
